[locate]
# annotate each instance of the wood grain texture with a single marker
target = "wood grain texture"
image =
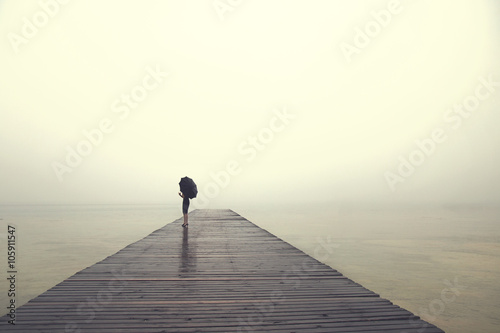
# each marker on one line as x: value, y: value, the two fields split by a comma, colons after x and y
x: 222, y: 274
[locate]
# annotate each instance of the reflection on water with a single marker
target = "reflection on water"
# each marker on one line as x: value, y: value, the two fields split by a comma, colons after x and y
x: 187, y: 264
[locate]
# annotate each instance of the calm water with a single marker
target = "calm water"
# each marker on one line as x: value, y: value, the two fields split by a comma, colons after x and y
x: 442, y: 263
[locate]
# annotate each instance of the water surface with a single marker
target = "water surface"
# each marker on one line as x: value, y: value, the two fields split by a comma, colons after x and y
x: 441, y: 263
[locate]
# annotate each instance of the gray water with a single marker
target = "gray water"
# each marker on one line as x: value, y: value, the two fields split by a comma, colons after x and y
x: 440, y: 262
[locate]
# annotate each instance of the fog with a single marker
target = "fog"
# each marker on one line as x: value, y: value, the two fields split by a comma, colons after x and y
x: 275, y: 101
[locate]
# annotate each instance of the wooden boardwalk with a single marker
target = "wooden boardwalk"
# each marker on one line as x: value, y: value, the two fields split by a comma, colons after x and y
x: 223, y: 274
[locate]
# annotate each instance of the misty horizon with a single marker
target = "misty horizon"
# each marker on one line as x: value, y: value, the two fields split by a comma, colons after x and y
x: 366, y: 101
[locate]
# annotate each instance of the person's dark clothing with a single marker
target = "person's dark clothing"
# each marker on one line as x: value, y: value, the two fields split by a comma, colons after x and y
x: 185, y: 205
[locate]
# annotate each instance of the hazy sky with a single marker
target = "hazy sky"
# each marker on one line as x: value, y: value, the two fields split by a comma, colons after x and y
x: 115, y: 101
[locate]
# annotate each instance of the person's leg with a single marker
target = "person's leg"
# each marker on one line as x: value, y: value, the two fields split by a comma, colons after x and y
x: 185, y: 210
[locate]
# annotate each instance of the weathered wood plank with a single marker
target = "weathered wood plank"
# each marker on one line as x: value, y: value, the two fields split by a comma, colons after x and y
x: 223, y: 274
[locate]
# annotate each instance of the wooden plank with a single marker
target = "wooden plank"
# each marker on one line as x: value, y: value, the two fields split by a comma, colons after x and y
x: 222, y: 274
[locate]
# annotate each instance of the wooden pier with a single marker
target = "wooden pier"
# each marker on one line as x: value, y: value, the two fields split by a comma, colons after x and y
x: 223, y: 274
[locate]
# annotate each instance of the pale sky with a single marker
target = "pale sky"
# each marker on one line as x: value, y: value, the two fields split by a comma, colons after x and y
x: 299, y: 100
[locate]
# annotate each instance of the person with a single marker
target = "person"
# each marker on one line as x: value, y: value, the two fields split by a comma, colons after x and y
x: 185, y: 207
